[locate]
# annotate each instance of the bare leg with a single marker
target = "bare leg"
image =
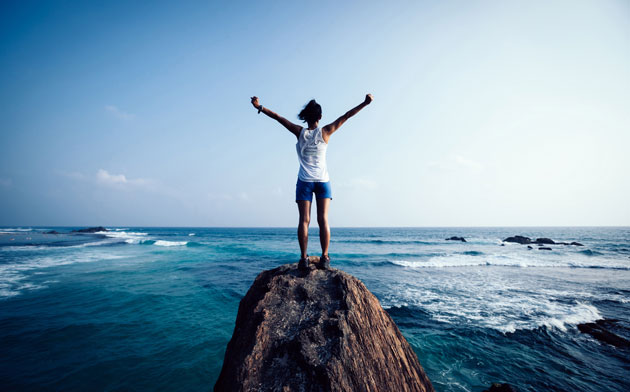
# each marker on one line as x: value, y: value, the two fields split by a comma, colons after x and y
x: 304, y: 207
x: 322, y: 221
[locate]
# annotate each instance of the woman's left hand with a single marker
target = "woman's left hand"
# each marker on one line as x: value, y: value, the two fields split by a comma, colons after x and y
x: 255, y: 102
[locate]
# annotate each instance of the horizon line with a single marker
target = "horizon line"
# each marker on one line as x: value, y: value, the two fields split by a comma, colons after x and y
x: 315, y: 226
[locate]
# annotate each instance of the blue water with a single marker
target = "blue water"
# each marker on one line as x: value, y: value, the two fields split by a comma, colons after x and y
x: 149, y: 309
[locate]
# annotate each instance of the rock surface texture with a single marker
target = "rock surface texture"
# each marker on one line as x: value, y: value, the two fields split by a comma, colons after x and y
x: 316, y: 330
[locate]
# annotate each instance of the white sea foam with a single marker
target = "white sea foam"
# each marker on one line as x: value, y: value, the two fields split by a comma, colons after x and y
x: 191, y: 234
x: 51, y: 248
x: 450, y: 263
x: 506, y: 288
x: 12, y: 275
x: 499, y: 301
x: 24, y: 247
x: 170, y: 243
x: 121, y: 234
x: 580, y: 313
x: 533, y: 258
x: 9, y: 230
x: 129, y: 237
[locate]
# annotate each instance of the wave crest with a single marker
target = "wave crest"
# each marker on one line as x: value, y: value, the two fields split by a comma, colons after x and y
x: 170, y: 243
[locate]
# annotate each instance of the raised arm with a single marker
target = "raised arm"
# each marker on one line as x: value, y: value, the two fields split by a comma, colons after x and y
x: 332, y: 127
x: 293, y: 128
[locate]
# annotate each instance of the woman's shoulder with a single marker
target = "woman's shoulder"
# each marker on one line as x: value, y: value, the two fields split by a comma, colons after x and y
x: 300, y: 134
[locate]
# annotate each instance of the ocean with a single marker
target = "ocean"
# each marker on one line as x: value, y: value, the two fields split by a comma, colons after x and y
x: 152, y: 309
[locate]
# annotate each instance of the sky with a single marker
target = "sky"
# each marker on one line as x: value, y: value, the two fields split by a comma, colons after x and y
x: 485, y: 113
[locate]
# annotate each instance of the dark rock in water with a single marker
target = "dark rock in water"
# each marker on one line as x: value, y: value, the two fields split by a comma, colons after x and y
x: 544, y: 248
x: 51, y: 232
x: 318, y: 330
x: 502, y: 244
x: 496, y: 387
x: 462, y: 239
x: 529, y: 247
x: 90, y: 230
x: 599, y: 330
x: 539, y: 241
x: 519, y: 239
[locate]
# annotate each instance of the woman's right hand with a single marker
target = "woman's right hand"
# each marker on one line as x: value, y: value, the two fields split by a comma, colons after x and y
x: 255, y: 102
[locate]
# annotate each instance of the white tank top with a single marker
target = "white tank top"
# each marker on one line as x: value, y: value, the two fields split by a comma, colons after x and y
x: 311, y: 150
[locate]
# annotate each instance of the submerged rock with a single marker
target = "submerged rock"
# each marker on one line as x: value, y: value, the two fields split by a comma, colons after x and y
x: 600, y: 330
x: 90, y: 230
x: 51, y: 232
x: 546, y: 241
x: 497, y: 387
x: 318, y: 330
x: 454, y: 238
x: 576, y: 243
x: 519, y: 239
x: 544, y: 248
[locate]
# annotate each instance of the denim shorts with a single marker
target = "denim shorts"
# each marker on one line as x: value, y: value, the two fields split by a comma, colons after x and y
x: 304, y: 190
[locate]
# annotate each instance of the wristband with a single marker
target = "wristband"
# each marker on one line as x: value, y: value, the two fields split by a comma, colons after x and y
x: 260, y: 108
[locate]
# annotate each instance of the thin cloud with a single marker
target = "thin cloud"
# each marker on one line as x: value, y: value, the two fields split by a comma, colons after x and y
x: 119, y: 113
x: 120, y: 182
x: 104, y: 177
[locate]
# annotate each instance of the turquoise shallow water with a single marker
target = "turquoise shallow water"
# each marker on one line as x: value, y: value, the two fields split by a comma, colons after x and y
x: 153, y: 308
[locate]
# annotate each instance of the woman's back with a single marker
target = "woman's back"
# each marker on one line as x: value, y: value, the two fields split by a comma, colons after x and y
x: 311, y: 150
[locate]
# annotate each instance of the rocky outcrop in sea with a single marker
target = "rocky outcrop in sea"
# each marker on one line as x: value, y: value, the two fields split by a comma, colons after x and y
x: 316, y: 330
x: 519, y: 239
x: 90, y: 230
x: 607, y: 331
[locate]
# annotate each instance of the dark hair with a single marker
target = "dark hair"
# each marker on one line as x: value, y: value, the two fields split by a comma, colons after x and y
x: 312, y: 112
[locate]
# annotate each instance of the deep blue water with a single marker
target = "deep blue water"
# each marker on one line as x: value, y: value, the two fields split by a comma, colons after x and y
x: 150, y: 309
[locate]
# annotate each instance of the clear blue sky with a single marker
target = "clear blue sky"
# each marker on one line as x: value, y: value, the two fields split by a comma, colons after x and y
x: 485, y: 113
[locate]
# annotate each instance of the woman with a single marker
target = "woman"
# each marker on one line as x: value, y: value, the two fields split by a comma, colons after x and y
x: 313, y: 175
